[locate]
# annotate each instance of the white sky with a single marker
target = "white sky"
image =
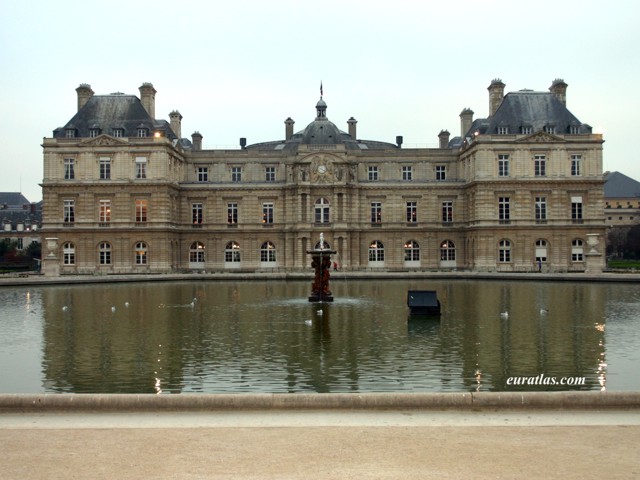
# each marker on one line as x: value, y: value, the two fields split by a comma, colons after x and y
x: 239, y: 69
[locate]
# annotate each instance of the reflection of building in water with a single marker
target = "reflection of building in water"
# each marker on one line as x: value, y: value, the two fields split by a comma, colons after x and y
x: 125, y: 192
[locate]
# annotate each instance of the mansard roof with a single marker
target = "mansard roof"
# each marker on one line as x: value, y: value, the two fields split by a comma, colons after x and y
x: 534, y: 110
x: 14, y: 200
x: 116, y: 111
x: 619, y: 185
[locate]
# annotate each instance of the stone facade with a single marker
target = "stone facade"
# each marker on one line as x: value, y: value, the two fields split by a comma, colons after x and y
x: 124, y: 193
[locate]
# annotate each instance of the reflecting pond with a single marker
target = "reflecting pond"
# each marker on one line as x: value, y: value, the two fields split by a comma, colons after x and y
x: 264, y: 336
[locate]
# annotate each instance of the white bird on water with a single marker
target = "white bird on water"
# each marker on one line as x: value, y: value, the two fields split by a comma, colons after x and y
x: 504, y: 314
x: 308, y: 322
x: 113, y: 309
x: 126, y: 304
x: 320, y: 312
x: 543, y: 311
x: 65, y: 308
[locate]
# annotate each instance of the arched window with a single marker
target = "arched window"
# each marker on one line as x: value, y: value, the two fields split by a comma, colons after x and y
x: 448, y: 251
x: 577, y: 250
x: 141, y: 253
x: 196, y: 255
x: 69, y: 254
x: 322, y: 211
x: 411, y: 251
x: 268, y: 252
x: 376, y: 251
x: 541, y: 251
x: 504, y: 251
x: 104, y: 253
x: 232, y: 252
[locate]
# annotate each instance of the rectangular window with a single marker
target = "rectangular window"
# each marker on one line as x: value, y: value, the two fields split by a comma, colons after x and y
x: 105, y: 168
x: 141, y: 210
x: 104, y: 211
x: 236, y: 174
x: 550, y: 129
x: 196, y: 214
x: 525, y: 130
x: 267, y: 213
x: 269, y: 174
x: 232, y: 213
x: 94, y: 132
x: 541, y: 209
x: 373, y: 173
x: 447, y: 212
x: 69, y: 171
x: 407, y: 173
x: 539, y: 165
x: 504, y: 209
x: 118, y: 132
x: 503, y: 130
x: 141, y: 167
x: 376, y: 212
x: 576, y: 163
x: 203, y: 174
x: 68, y: 211
x: 575, y: 129
x: 142, y: 132
x: 441, y: 173
x: 412, y: 212
x: 503, y: 165
x: 576, y: 209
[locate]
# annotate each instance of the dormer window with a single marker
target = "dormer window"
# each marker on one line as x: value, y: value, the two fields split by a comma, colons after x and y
x: 143, y: 132
x: 503, y: 130
x: 70, y: 133
x: 550, y: 129
x: 574, y: 129
x: 526, y: 130
x: 118, y: 132
x: 94, y: 132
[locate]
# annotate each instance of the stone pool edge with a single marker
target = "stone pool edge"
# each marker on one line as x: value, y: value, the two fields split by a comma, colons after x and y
x: 46, y: 403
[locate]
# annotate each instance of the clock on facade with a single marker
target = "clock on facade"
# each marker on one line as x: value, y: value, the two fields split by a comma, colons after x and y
x: 322, y: 169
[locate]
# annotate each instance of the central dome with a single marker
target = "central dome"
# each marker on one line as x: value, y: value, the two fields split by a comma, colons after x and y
x: 321, y: 130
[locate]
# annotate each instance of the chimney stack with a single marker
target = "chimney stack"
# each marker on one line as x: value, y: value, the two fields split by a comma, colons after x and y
x: 352, y: 127
x: 148, y: 98
x: 288, y: 130
x: 176, y: 123
x: 466, y: 119
x: 399, y: 141
x: 559, y: 89
x: 84, y: 94
x: 496, y: 94
x: 444, y: 138
x: 196, y: 140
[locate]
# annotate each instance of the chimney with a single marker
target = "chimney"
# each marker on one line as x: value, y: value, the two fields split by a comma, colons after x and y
x: 196, y: 140
x: 496, y: 94
x: 176, y: 123
x: 288, y: 130
x: 243, y: 143
x: 352, y: 127
x: 84, y: 94
x: 399, y: 141
x: 466, y: 119
x: 444, y: 138
x: 559, y: 89
x: 148, y: 98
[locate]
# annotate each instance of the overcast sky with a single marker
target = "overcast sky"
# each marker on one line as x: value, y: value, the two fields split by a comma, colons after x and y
x: 239, y: 69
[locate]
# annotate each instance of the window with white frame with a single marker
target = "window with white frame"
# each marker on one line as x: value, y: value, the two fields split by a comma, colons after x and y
x: 373, y: 173
x: 503, y: 165
x: 577, y: 250
x: 232, y: 213
x: 441, y: 173
x: 141, y: 207
x: 539, y: 165
x: 141, y: 168
x: 412, y: 212
x: 196, y: 255
x: 576, y: 165
x: 268, y: 252
x: 104, y: 211
x: 104, y: 253
x: 502, y: 130
x: 143, y: 132
x: 68, y: 253
x: 407, y: 173
x: 69, y: 169
x: 236, y: 174
x: 267, y: 213
x: 197, y: 215
x: 447, y: 211
x: 118, y: 132
x: 550, y: 129
x: 203, y: 174
x: 525, y: 130
x: 269, y: 174
x: 541, y: 251
x: 447, y: 251
x: 321, y: 211
x: 376, y: 251
x: 105, y: 168
x: 68, y: 211
x: 376, y: 212
x: 141, y: 253
x: 504, y: 251
x: 411, y: 251
x: 504, y: 209
x: 232, y: 252
x: 576, y: 209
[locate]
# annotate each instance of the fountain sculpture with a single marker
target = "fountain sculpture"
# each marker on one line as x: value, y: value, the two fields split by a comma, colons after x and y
x: 321, y: 263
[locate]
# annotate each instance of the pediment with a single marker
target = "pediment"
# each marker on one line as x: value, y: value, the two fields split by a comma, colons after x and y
x: 540, y: 137
x: 104, y: 140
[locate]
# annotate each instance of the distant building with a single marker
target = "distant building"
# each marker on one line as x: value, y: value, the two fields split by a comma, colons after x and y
x: 124, y: 192
x: 622, y: 200
x: 20, y: 219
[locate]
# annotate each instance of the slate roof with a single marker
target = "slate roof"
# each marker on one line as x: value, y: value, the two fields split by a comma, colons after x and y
x: 109, y: 112
x: 13, y: 200
x: 618, y: 185
x: 527, y: 108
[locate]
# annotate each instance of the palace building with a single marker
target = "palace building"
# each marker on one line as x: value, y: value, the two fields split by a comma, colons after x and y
x: 124, y: 192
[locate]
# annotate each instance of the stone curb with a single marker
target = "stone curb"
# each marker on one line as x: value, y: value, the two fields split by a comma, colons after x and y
x: 23, y: 403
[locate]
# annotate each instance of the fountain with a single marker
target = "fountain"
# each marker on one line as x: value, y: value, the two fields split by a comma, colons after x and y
x: 321, y: 263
